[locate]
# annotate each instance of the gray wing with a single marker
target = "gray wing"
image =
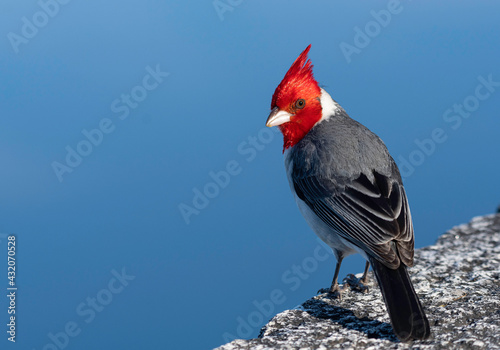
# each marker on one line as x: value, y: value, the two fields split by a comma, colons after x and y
x: 371, y: 214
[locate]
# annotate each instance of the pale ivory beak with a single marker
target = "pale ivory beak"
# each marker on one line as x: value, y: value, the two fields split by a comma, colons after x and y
x: 278, y: 117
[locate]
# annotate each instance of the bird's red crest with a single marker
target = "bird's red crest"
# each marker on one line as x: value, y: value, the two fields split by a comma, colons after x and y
x: 300, y: 76
x: 298, y: 83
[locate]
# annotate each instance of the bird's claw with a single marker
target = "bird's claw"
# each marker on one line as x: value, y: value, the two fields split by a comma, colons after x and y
x: 356, y: 284
x: 334, y: 292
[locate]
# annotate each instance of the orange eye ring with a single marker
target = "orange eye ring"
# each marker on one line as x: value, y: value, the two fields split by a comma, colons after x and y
x: 300, y: 103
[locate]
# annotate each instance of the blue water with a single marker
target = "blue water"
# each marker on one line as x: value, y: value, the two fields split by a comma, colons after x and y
x: 120, y: 122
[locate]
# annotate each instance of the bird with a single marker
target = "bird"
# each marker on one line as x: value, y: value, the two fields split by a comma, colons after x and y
x: 350, y: 191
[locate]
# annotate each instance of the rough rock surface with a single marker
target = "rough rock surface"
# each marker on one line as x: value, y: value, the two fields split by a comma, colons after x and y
x: 457, y: 279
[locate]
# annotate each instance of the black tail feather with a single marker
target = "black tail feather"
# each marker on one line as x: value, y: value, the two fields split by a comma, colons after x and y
x: 407, y: 316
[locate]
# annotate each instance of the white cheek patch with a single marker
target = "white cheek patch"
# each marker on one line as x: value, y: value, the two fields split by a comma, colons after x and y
x: 328, y: 105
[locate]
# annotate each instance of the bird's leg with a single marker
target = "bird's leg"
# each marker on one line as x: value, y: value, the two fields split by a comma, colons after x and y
x: 359, y: 284
x: 364, y: 278
x: 335, y: 287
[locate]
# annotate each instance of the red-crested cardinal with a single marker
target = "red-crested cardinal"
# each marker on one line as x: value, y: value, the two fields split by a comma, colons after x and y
x: 348, y: 188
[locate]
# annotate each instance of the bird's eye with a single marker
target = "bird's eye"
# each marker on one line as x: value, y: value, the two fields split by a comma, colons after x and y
x: 300, y: 103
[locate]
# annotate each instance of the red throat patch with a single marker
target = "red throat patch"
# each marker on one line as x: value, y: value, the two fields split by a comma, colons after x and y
x: 298, y: 83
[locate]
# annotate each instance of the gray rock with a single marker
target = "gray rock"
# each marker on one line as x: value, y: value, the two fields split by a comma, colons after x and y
x: 457, y: 279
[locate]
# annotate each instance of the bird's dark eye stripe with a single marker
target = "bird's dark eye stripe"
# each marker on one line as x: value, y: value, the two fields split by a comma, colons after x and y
x: 300, y: 103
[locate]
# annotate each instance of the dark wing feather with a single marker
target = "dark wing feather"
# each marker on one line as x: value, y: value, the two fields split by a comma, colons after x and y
x: 371, y: 214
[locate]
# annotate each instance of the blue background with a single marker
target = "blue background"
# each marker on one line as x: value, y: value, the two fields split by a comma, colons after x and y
x: 119, y: 208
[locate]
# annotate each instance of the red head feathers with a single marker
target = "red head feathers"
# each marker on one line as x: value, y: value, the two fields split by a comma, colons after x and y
x: 298, y: 96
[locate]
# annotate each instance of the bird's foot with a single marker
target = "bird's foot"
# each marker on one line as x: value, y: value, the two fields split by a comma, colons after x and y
x: 357, y: 284
x: 335, y: 291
